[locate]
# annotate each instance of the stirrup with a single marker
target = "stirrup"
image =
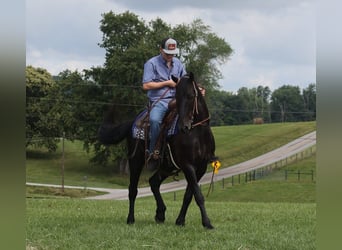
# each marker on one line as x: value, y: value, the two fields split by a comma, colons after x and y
x: 155, y: 154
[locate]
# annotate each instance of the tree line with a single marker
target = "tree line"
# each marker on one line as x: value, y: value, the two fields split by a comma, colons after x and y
x: 74, y: 103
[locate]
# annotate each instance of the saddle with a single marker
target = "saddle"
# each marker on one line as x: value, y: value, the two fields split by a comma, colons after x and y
x: 141, y: 126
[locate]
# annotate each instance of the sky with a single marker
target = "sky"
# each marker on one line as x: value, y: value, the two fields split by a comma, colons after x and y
x: 274, y: 42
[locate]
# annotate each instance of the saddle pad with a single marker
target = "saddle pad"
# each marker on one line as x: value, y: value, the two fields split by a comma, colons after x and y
x: 139, y: 133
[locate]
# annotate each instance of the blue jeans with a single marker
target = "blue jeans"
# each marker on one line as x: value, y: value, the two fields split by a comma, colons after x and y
x: 157, y: 114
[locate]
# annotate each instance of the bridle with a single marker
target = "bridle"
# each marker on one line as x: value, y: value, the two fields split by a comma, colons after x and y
x: 195, y: 108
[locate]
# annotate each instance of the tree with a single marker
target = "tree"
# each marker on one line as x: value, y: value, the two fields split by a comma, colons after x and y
x: 76, y: 105
x: 287, y: 104
x: 261, y: 100
x: 124, y: 39
x: 219, y: 107
x: 202, y: 51
x: 41, y: 128
x: 309, y: 99
x: 79, y: 101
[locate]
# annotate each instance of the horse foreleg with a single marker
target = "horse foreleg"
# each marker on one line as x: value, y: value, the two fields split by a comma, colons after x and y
x: 155, y: 182
x: 200, y: 202
x: 186, y: 202
x: 192, y: 179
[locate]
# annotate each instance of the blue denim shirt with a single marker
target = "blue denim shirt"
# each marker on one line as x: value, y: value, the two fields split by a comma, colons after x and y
x: 156, y: 70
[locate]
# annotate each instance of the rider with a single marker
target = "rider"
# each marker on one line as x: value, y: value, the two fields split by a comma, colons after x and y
x: 160, y: 87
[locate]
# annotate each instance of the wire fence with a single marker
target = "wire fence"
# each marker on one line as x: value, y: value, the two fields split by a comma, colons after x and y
x: 269, y: 169
x: 101, y: 103
x: 265, y: 171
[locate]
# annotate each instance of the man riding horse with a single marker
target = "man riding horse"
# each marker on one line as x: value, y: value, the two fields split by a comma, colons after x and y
x: 160, y: 89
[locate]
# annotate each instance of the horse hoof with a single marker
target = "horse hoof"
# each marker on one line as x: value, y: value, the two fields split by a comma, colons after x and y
x: 130, y: 221
x: 180, y: 223
x: 159, y: 218
x: 209, y: 226
x: 159, y: 221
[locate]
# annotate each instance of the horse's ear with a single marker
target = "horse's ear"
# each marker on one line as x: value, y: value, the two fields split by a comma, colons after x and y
x: 175, y: 79
x: 191, y: 75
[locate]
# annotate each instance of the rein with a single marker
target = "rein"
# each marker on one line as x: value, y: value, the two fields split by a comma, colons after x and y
x: 201, y: 122
x: 195, y: 109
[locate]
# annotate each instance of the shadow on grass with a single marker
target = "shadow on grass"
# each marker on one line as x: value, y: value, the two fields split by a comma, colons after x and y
x: 39, y: 154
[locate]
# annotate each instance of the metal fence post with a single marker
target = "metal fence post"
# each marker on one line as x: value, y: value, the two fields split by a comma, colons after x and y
x: 63, y: 156
x: 285, y: 174
x: 298, y: 175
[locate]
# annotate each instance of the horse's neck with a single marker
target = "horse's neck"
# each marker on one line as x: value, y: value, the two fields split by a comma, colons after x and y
x: 203, y: 112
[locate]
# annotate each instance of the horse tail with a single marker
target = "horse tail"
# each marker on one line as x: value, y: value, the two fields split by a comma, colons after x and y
x: 109, y: 133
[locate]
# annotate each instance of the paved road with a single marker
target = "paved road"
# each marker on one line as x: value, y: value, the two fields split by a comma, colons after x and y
x: 276, y: 155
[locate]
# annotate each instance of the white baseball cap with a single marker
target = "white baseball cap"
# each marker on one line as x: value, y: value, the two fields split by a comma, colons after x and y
x: 169, y: 46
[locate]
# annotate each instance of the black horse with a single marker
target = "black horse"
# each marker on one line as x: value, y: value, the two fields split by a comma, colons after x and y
x: 190, y: 150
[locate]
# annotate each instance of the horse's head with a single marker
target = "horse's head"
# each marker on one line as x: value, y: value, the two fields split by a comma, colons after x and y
x: 187, y: 101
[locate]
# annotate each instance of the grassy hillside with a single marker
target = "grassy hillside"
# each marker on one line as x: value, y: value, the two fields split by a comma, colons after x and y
x: 233, y: 144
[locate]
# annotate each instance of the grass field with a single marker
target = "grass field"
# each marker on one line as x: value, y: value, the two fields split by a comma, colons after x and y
x: 83, y: 224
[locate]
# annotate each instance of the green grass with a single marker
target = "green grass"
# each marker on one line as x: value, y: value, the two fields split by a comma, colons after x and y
x: 84, y: 224
x: 234, y: 144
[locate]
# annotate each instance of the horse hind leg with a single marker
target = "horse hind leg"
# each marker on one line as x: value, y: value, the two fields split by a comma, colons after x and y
x: 135, y: 171
x: 155, y: 182
x: 132, y: 194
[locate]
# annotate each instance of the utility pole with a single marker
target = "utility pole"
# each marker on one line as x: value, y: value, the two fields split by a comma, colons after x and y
x: 62, y: 170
